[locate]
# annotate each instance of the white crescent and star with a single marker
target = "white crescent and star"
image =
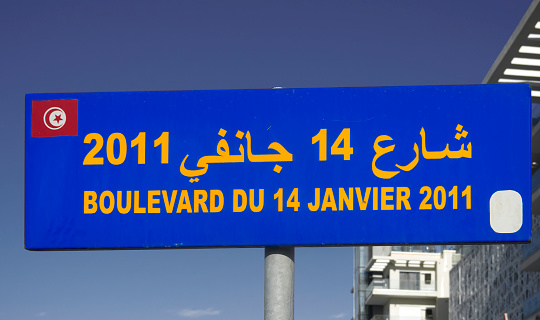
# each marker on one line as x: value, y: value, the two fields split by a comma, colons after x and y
x: 54, y: 118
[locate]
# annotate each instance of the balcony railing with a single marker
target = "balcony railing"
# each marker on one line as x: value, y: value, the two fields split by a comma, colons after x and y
x: 531, y: 305
x: 425, y: 249
x: 400, y: 285
x: 528, y: 249
x: 384, y: 317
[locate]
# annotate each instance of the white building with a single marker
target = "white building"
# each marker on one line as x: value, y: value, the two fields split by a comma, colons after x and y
x: 403, y: 282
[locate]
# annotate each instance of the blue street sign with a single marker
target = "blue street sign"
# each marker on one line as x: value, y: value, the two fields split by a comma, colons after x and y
x: 303, y: 167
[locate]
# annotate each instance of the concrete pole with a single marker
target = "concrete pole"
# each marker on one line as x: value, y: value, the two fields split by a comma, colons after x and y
x: 279, y: 283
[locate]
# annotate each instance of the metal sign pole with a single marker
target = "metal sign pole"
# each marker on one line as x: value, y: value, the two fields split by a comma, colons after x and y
x: 279, y: 283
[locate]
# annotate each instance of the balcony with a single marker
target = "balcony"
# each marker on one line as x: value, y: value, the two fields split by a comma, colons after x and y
x: 384, y: 317
x: 531, y: 254
x: 428, y: 249
x: 380, y: 290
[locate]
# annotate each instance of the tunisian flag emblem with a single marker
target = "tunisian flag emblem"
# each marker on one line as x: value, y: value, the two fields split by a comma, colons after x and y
x: 54, y: 118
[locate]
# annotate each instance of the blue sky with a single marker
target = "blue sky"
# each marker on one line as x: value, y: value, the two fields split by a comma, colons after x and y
x: 67, y: 46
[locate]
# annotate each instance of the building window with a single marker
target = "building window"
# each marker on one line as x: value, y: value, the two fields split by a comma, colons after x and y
x: 429, y: 314
x: 409, y: 280
x: 427, y: 278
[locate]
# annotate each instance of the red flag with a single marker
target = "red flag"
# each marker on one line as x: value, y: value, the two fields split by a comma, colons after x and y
x: 54, y: 118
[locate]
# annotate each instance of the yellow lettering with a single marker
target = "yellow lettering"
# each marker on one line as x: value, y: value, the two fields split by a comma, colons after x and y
x: 424, y: 205
x: 402, y: 196
x: 379, y: 151
x: 123, y: 210
x: 252, y: 206
x: 279, y: 196
x: 346, y: 150
x: 152, y: 201
x: 375, y: 198
x: 213, y: 195
x: 243, y: 205
x: 293, y: 202
x: 110, y: 148
x: 169, y: 205
x: 90, y: 205
x: 91, y: 158
x: 106, y: 194
x: 140, y: 142
x: 163, y: 140
x: 362, y: 202
x: 184, y: 203
x: 200, y: 198
x: 315, y: 207
x: 387, y: 197
x: 348, y: 200
x: 329, y: 201
x: 137, y: 208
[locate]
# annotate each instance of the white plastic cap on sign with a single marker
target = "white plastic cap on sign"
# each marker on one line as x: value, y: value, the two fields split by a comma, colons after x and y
x: 506, y: 211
